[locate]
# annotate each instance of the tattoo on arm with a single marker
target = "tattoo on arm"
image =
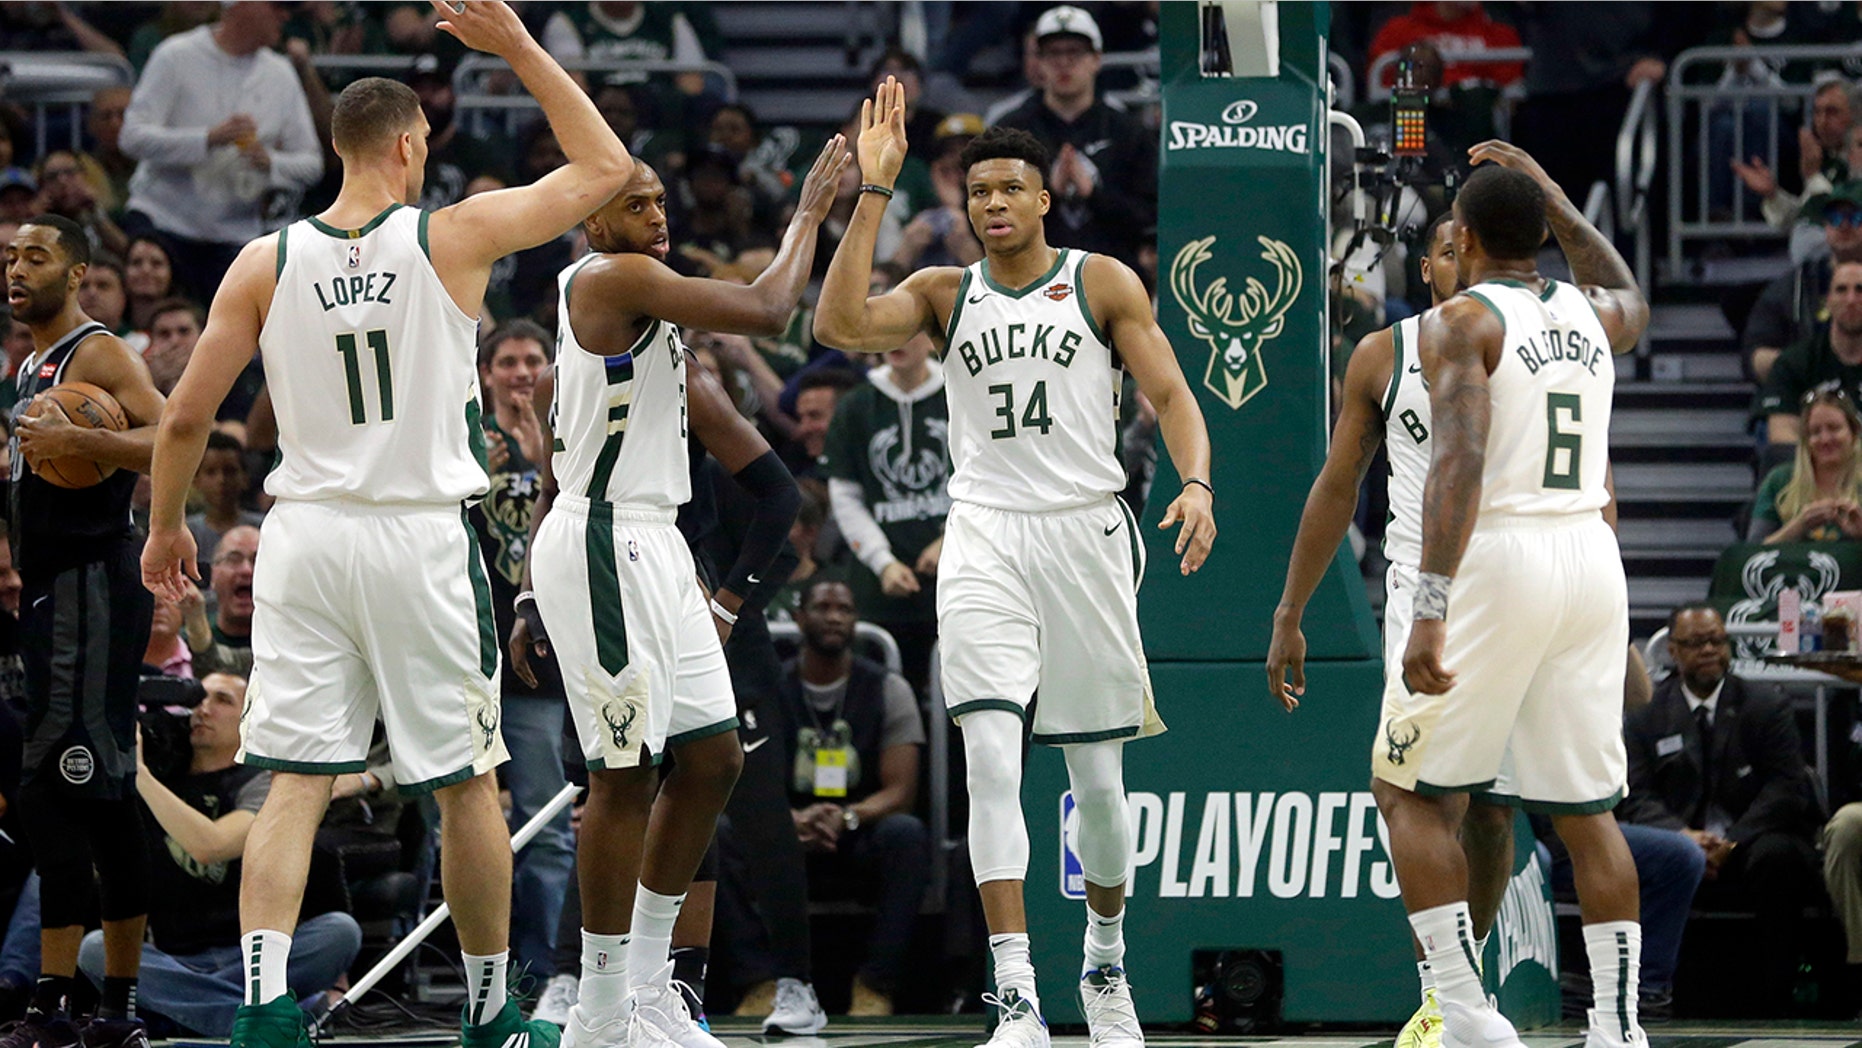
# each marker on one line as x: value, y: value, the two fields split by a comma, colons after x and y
x: 1451, y: 498
x: 1594, y: 259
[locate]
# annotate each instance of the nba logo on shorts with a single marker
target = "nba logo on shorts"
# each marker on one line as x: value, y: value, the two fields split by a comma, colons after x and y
x: 1072, y: 874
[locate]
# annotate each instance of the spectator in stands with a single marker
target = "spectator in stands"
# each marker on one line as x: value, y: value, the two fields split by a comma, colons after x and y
x: 19, y: 195
x: 855, y: 754
x: 888, y: 467
x: 1829, y: 357
x: 763, y: 167
x: 51, y: 27
x: 219, y: 121
x: 819, y: 391
x: 167, y: 652
x: 106, y: 159
x: 629, y: 111
x: 193, y: 973
x: 920, y: 122
x: 803, y: 535
x: 1791, y: 308
x: 149, y: 276
x: 1815, y: 497
x: 18, y: 348
x: 1104, y: 174
x: 940, y: 233
x: 177, y: 16
x: 627, y: 31
x: 715, y: 211
x: 455, y: 156
x: 221, y: 481
x: 174, y: 326
x: 228, y: 646
x: 1458, y: 28
x: 1821, y: 167
x: 65, y: 190
x: 1755, y: 120
x: 1717, y: 759
x: 104, y: 298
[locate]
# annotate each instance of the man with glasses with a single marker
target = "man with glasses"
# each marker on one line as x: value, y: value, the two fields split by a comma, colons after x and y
x: 1828, y: 357
x: 1104, y: 174
x: 233, y: 562
x: 1792, y: 307
x: 1717, y: 760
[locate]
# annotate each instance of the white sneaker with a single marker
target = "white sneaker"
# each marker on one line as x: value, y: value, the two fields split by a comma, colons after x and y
x: 580, y: 1032
x: 559, y: 995
x: 797, y: 1012
x: 1482, y: 1027
x: 663, y: 1007
x: 1105, y: 1000
x: 1019, y: 1026
x: 1606, y: 1031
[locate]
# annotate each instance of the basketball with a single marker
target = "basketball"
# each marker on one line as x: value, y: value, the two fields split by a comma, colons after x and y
x: 92, y: 408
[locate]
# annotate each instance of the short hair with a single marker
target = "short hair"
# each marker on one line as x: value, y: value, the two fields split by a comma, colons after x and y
x: 218, y: 440
x: 840, y: 380
x: 1692, y: 605
x: 739, y: 108
x: 1005, y: 143
x: 905, y: 60
x: 177, y: 304
x: 105, y: 260
x: 521, y: 327
x: 1429, y: 231
x: 371, y: 112
x: 1505, y: 210
x: 808, y: 592
x: 71, y: 237
x: 812, y: 513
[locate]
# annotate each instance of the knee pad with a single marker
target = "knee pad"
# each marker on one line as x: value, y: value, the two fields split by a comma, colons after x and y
x: 992, y: 747
x: 61, y: 853
x: 121, y: 850
x: 1096, y: 774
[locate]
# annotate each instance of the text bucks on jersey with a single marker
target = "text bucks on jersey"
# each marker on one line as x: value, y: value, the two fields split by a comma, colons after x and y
x: 1033, y: 389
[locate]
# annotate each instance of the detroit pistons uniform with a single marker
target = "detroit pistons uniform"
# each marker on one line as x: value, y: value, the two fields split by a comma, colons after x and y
x: 370, y: 594
x: 614, y: 578
x: 1038, y: 582
x: 1538, y: 611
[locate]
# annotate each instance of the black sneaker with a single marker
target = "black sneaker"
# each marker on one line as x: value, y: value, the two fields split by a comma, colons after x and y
x: 113, y: 1033
x: 38, y: 1030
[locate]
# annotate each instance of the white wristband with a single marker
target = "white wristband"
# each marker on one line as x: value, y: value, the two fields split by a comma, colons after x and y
x: 722, y: 612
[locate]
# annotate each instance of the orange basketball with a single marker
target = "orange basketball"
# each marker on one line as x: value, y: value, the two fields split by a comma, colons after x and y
x: 91, y: 407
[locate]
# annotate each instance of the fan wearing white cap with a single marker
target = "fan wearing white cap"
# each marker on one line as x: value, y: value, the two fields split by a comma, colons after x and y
x: 1104, y: 174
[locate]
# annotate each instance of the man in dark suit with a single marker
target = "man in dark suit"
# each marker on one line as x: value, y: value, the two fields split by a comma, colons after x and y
x: 1717, y: 759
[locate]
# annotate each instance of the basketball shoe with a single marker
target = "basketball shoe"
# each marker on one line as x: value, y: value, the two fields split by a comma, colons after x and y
x: 1482, y: 1027
x: 659, y: 1004
x: 41, y: 1030
x: 508, y: 1029
x: 1424, y: 1029
x: 797, y: 1012
x: 1105, y: 1000
x: 278, y: 1023
x: 1018, y: 1025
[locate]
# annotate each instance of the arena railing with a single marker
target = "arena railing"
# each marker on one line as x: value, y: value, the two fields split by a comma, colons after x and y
x: 1344, y: 84
x: 1148, y: 66
x: 55, y: 84
x: 485, y: 88
x: 1691, y: 108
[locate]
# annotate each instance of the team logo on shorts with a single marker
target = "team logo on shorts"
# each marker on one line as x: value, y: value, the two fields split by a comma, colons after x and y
x: 1236, y: 327
x: 1058, y: 292
x: 355, y: 256
x: 77, y: 765
x: 487, y: 719
x: 1399, y: 744
x: 619, y: 724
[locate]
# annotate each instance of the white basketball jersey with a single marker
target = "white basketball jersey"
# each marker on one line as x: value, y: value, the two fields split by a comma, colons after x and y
x: 1548, y: 442
x: 373, y: 369
x: 1406, y: 445
x: 1033, y: 390
x: 620, y: 420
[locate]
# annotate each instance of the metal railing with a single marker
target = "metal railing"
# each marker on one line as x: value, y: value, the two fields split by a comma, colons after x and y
x: 1637, y: 151
x: 1691, y: 113
x: 1344, y: 84
x: 50, y: 82
x: 480, y: 94
x: 1148, y: 66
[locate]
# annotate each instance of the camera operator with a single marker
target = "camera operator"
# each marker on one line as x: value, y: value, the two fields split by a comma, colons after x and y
x: 202, y: 812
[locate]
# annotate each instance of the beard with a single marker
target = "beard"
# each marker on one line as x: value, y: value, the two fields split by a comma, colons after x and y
x: 43, y: 303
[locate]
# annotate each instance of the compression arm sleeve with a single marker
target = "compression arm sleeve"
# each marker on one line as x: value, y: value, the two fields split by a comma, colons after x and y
x: 777, y: 501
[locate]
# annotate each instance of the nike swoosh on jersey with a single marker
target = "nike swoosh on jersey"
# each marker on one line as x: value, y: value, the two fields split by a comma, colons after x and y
x: 1415, y: 369
x: 1113, y: 528
x: 977, y: 299
x: 752, y: 747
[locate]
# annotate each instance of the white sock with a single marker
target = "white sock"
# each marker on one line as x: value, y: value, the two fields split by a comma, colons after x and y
x: 1615, y: 950
x: 1014, y: 968
x: 1448, y: 942
x: 484, y: 979
x: 603, y: 993
x: 1105, y: 939
x: 654, y: 916
x: 1480, y: 954
x: 266, y: 953
x: 1426, y: 976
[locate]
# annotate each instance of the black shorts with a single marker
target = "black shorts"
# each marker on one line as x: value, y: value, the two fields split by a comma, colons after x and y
x: 83, y: 632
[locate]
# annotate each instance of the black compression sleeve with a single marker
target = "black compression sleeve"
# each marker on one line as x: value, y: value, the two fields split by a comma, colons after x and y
x: 777, y: 501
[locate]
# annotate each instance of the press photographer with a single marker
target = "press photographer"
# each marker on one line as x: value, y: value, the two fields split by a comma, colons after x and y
x: 202, y: 806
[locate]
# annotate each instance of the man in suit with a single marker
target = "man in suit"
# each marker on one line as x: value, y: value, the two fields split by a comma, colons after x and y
x: 1717, y: 759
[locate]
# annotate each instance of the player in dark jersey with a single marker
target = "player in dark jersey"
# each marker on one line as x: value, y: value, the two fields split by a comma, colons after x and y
x: 84, y: 621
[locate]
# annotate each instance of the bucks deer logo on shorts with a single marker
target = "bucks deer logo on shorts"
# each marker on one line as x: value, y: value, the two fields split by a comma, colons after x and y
x: 487, y: 718
x: 619, y: 717
x: 1399, y: 744
x: 1236, y: 327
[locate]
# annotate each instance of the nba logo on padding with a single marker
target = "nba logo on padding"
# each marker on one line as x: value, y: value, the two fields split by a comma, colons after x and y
x: 1072, y: 874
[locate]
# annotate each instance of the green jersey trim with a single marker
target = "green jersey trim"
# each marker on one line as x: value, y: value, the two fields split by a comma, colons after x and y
x: 1396, y: 369
x: 1060, y: 259
x: 956, y: 310
x: 282, y: 233
x: 1079, y: 296
x: 424, y: 249
x: 1488, y: 302
x: 1545, y: 294
x: 354, y: 234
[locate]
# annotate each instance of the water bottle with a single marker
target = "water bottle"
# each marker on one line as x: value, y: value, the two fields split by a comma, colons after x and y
x: 1810, y: 628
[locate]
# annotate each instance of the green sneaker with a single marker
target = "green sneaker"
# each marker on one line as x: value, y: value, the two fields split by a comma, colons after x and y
x: 278, y: 1023
x: 509, y: 1030
x: 1424, y: 1029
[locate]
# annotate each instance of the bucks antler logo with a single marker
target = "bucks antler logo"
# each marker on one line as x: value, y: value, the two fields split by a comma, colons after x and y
x: 1236, y: 327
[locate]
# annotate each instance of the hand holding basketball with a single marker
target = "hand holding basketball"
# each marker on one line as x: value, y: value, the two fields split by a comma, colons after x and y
x: 882, y: 134
x: 52, y: 426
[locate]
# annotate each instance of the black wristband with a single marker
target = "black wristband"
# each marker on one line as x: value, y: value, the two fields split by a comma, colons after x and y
x: 884, y: 191
x: 1199, y: 482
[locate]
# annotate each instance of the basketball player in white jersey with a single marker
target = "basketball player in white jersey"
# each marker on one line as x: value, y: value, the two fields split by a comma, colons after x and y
x: 1041, y: 565
x: 1385, y: 403
x: 372, y: 597
x: 1520, y: 614
x: 615, y: 584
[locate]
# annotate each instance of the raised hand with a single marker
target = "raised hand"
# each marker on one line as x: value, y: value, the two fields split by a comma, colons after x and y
x: 823, y: 181
x: 483, y: 25
x: 882, y: 134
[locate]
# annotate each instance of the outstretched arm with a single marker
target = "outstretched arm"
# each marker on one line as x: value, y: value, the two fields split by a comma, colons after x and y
x: 1596, y: 265
x: 1453, y: 347
x: 1329, y: 506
